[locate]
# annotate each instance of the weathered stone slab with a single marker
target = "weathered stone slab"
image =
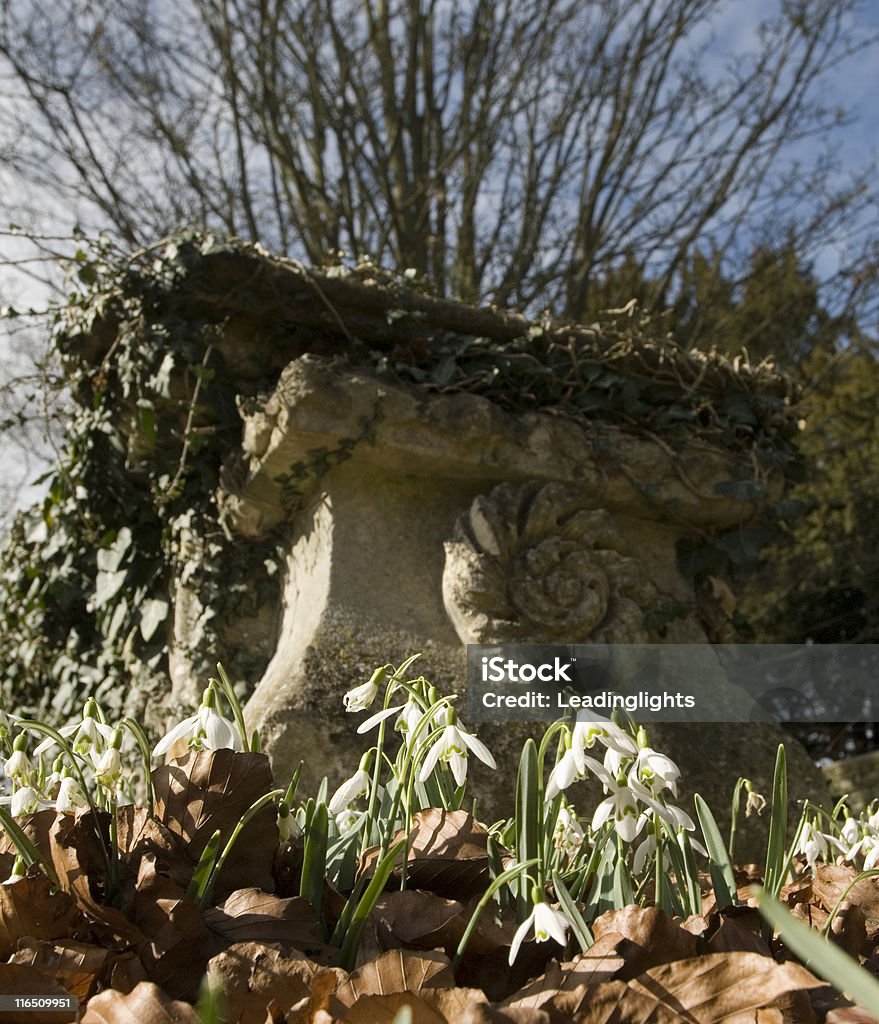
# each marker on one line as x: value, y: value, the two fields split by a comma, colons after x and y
x: 422, y: 522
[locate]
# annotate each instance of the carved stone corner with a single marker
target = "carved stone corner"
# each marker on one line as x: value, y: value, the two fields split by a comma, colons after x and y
x: 535, y: 562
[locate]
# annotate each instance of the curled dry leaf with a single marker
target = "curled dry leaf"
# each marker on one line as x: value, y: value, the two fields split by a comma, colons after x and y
x: 31, y: 907
x: 79, y: 864
x: 37, y: 828
x: 138, y: 834
x: 485, y: 1013
x: 830, y: 882
x: 600, y: 963
x: 211, y: 790
x: 429, y: 1006
x: 423, y: 920
x: 78, y: 966
x: 398, y: 970
x: 255, y: 978
x: 24, y: 980
x: 145, y: 1004
x: 719, y: 987
x: 650, y: 938
x: 736, y: 929
x: 377, y: 1009
x: 447, y: 854
x: 251, y: 915
x: 174, y: 946
x: 850, y: 1015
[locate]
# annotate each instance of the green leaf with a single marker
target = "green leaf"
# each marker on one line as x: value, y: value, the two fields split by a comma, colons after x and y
x: 581, y: 930
x: 824, y: 958
x: 527, y: 818
x: 314, y: 859
x: 722, y: 875
x: 775, y: 852
x: 366, y: 904
x: 203, y: 870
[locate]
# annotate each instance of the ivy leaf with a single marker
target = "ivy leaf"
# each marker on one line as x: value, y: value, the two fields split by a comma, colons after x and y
x: 107, y: 586
x: 109, y: 559
x: 153, y: 613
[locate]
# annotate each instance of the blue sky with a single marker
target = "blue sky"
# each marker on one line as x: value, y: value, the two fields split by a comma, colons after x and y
x: 854, y: 88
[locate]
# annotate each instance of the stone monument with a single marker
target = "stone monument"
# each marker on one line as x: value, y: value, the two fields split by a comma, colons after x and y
x: 437, y: 475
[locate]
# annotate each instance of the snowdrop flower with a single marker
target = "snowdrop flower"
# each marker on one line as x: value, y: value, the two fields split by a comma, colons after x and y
x: 86, y: 737
x: 587, y: 731
x: 287, y: 827
x: 623, y: 807
x: 205, y: 730
x: 568, y: 834
x: 18, y: 766
x: 812, y: 844
x: 18, y: 870
x: 755, y: 804
x: 646, y: 849
x: 26, y: 800
x: 451, y: 747
x: 675, y: 816
x: 70, y: 797
x: 564, y: 773
x: 109, y: 768
x: 574, y: 765
x: 349, y: 821
x: 547, y: 924
x: 361, y: 697
x: 656, y: 770
x: 350, y: 790
x: 871, y: 846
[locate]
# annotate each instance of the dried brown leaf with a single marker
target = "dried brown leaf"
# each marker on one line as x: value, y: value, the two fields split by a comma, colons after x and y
x: 650, y: 938
x: 735, y: 929
x: 830, y: 882
x: 174, y: 947
x: 138, y: 833
x: 600, y: 963
x: 31, y: 907
x: 254, y: 977
x: 146, y: 1004
x: 23, y: 980
x: 211, y: 790
x: 314, y: 1008
x: 423, y: 920
x: 728, y: 987
x: 447, y: 854
x: 251, y: 915
x: 78, y: 966
x: 398, y: 970
x: 77, y: 855
x: 485, y: 1013
x: 383, y: 1009
x: 850, y: 1015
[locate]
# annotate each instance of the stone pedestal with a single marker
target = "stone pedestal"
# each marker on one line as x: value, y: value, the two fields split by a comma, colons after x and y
x: 422, y: 522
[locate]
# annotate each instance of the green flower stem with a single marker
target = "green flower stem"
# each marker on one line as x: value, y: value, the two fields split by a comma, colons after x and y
x: 502, y: 879
x: 365, y: 906
x: 28, y: 851
x: 734, y: 817
x: 143, y: 746
x: 110, y: 863
x: 235, y: 704
x: 858, y: 878
x: 414, y: 753
x: 254, y: 808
